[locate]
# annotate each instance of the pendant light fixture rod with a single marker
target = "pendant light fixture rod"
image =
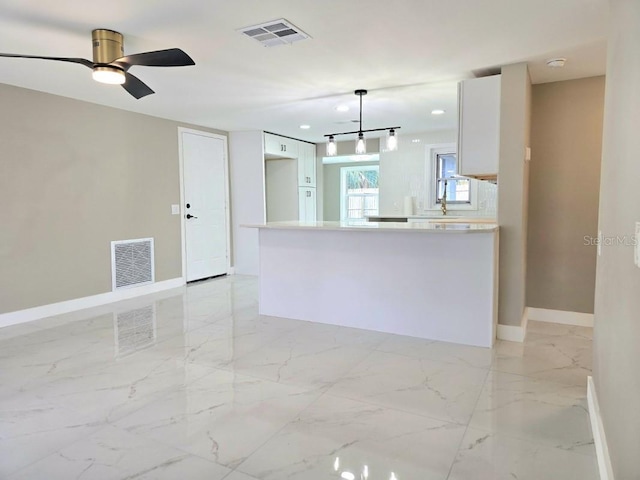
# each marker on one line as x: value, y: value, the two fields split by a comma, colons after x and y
x: 363, y: 131
x: 360, y: 93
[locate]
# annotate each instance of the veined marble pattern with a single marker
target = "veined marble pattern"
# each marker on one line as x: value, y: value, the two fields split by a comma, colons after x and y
x: 206, y: 388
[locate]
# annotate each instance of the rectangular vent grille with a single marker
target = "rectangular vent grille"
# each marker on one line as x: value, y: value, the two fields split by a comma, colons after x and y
x: 277, y: 32
x: 132, y: 263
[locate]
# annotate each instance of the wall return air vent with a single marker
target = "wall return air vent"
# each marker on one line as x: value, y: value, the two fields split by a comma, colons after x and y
x: 277, y: 32
x: 132, y: 263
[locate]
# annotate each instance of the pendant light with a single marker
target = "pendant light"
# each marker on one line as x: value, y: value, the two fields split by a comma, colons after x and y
x: 392, y: 140
x: 361, y: 142
x: 332, y: 147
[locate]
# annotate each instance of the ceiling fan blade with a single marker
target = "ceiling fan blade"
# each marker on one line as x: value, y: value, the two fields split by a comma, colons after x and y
x: 81, y: 61
x: 136, y: 87
x: 173, y: 57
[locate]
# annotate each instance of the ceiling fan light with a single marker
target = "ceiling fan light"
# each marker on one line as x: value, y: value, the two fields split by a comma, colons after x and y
x: 109, y: 75
x: 392, y: 141
x: 361, y: 144
x: 332, y: 147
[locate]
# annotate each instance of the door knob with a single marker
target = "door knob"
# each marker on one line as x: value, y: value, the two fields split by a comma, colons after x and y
x: 190, y: 216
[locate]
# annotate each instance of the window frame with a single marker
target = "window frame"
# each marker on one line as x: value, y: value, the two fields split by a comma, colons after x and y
x: 343, y: 188
x: 431, y: 205
x: 438, y: 179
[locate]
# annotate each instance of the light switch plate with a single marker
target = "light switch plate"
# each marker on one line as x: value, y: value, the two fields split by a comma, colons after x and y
x: 636, y: 246
x: 527, y: 154
x: 175, y: 209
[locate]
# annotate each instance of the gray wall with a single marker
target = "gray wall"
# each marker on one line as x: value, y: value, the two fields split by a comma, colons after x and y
x: 513, y: 185
x: 328, y: 176
x: 617, y: 301
x: 331, y: 188
x: 281, y: 189
x: 564, y: 184
x: 321, y: 150
x: 73, y: 177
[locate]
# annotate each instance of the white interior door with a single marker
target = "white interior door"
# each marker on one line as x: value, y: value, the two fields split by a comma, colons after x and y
x: 205, y: 205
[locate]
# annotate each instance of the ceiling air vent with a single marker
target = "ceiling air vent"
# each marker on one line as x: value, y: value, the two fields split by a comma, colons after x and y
x: 277, y: 32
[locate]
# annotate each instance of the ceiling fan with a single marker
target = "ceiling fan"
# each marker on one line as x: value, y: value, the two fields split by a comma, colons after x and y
x: 111, y: 66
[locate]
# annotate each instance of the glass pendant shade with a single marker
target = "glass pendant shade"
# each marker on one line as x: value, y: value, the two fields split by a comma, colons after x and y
x: 392, y: 141
x: 361, y: 144
x: 332, y: 147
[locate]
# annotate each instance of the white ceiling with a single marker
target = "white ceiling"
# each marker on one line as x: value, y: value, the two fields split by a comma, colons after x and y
x: 409, y: 54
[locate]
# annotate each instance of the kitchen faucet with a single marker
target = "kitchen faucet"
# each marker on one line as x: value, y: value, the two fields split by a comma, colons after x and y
x: 443, y: 200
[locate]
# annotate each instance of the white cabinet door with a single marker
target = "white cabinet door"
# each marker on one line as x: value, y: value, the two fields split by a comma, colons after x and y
x: 479, y: 126
x: 307, y: 204
x: 306, y: 165
x: 310, y: 213
x: 276, y: 146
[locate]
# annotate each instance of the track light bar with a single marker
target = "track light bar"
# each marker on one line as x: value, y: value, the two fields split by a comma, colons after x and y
x: 392, y: 140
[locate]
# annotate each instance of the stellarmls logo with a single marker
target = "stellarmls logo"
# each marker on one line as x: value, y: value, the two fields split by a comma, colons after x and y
x: 611, y: 241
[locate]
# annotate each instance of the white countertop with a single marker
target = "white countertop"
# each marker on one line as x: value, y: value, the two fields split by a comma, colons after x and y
x: 428, y: 226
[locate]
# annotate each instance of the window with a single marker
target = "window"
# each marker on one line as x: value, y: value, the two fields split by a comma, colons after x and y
x: 458, y: 189
x: 440, y: 165
x: 358, y: 192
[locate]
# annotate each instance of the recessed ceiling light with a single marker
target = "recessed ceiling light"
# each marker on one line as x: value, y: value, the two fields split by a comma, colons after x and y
x: 342, y: 108
x: 437, y: 112
x: 415, y: 140
x: 305, y: 127
x: 556, y: 62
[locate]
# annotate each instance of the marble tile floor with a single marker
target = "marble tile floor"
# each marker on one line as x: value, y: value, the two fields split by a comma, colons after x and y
x: 193, y: 383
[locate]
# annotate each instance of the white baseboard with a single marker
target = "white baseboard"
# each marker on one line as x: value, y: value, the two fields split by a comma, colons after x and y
x: 561, y: 316
x: 514, y: 333
x: 599, y: 438
x: 36, y: 313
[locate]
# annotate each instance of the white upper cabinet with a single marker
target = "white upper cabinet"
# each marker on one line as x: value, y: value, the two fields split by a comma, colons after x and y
x: 276, y: 146
x: 479, y: 127
x: 306, y: 165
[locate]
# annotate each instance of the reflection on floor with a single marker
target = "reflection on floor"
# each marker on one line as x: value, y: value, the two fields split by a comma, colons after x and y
x: 193, y: 384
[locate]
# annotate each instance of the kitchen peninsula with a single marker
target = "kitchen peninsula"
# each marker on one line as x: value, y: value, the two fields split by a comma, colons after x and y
x: 430, y: 280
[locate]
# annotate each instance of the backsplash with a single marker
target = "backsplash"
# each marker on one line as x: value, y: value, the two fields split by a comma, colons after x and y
x: 487, y: 199
x: 405, y: 173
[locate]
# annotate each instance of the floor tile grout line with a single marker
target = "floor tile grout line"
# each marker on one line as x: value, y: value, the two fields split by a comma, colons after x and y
x: 445, y: 362
x: 329, y: 385
x: 276, y: 433
x: 56, y: 452
x: 544, y: 380
x: 455, y: 456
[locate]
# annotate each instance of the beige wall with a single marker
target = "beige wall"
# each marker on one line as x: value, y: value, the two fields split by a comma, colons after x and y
x: 564, y: 183
x: 73, y: 177
x: 513, y: 185
x: 617, y: 302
